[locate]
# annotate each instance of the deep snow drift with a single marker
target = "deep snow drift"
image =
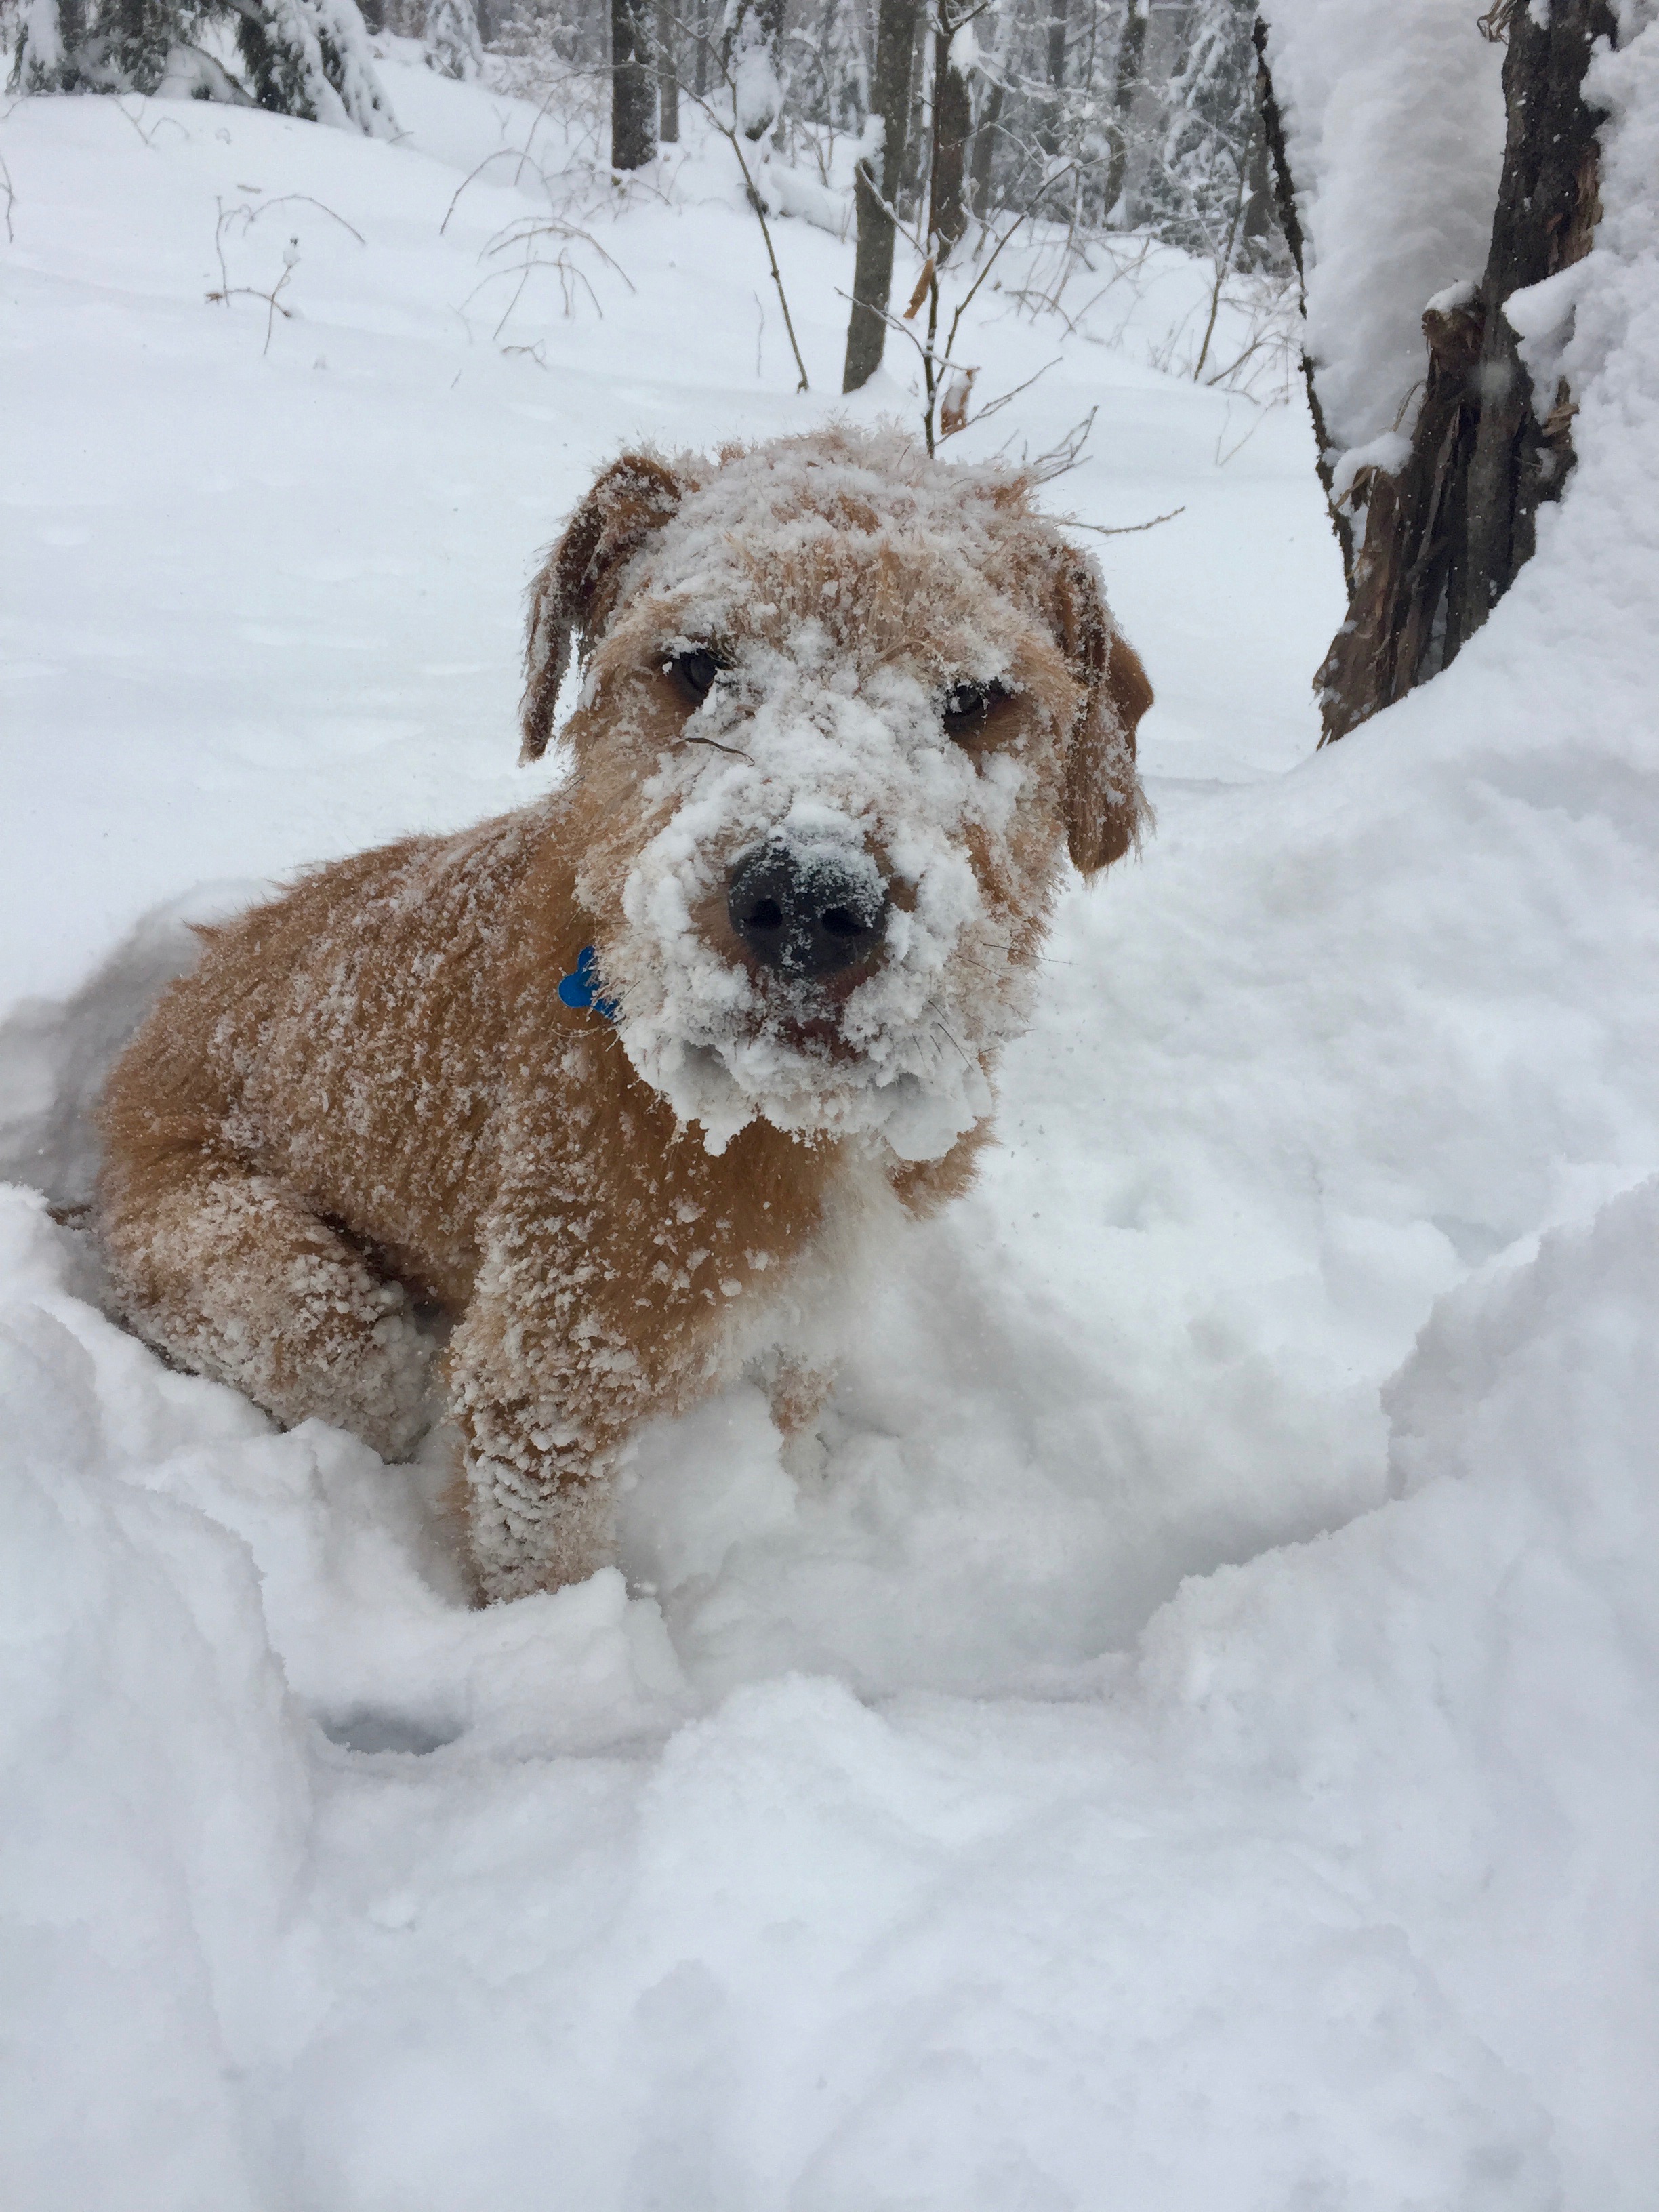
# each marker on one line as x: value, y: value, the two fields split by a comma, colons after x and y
x: 1192, y: 1742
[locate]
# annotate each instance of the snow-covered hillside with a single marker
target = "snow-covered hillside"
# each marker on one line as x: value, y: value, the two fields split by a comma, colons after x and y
x: 1192, y: 1743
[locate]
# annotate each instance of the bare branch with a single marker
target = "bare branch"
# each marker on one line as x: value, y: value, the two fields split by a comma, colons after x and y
x: 1122, y: 529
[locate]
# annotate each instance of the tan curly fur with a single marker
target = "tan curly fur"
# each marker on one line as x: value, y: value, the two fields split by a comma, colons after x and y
x: 369, y: 1099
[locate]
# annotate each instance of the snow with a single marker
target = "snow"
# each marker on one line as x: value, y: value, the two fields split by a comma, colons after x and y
x: 1393, y: 112
x: 1196, y: 1721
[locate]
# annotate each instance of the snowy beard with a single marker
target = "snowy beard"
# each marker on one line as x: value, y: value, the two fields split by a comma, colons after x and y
x: 806, y: 754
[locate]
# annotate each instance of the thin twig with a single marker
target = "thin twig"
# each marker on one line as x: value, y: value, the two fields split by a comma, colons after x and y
x: 1064, y: 456
x: 149, y: 137
x: 1123, y: 529
x: 527, y: 228
x: 285, y: 199
x: 1222, y: 268
x: 496, y: 154
x: 996, y: 406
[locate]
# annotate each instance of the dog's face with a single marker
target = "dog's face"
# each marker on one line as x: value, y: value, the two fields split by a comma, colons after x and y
x: 844, y: 709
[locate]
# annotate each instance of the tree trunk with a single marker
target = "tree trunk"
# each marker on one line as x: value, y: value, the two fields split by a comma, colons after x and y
x: 1125, y: 78
x: 985, y: 147
x: 1547, y: 207
x: 1057, y: 27
x: 668, y: 76
x: 911, y: 200
x: 875, y: 186
x: 1414, y: 531
x: 1273, y: 131
x: 1049, y: 133
x: 953, y: 123
x: 1446, y: 537
x: 632, y: 86
x: 1255, y: 233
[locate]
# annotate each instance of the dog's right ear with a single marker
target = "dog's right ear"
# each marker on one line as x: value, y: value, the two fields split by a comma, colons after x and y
x: 572, y: 599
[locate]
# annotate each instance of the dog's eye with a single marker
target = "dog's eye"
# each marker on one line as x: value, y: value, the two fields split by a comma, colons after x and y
x: 695, y: 671
x: 967, y: 708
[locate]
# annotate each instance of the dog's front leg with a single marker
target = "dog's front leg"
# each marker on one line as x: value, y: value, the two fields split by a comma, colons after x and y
x: 563, y: 1353
x: 620, y: 1260
x: 544, y: 1389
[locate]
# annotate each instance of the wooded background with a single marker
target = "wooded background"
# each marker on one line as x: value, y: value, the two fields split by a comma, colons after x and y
x: 948, y: 125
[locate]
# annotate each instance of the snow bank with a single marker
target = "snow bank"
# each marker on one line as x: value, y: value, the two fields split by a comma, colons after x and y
x: 156, y: 1797
x: 1342, y: 1883
x: 1194, y: 1723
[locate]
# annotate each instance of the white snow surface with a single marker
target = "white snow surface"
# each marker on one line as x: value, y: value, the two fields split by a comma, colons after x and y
x: 1393, y: 127
x: 1192, y: 1740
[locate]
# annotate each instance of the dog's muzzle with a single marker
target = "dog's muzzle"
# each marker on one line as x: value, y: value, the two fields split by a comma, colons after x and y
x: 807, y: 913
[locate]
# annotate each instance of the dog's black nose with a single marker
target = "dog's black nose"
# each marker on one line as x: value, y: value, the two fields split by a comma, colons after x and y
x: 808, y: 914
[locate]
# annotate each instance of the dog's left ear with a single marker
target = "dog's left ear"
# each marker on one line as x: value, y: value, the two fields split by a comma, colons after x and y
x: 573, y: 597
x: 1104, y: 806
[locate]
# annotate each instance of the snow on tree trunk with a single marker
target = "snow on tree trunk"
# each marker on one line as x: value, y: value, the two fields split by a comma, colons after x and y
x: 1445, y: 500
x: 877, y: 183
x: 1392, y: 119
x: 453, y: 45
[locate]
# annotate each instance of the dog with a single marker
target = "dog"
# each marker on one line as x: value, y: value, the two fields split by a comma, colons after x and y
x: 617, y: 1083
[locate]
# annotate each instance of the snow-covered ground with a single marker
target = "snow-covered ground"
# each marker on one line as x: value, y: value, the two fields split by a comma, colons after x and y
x: 1193, y: 1743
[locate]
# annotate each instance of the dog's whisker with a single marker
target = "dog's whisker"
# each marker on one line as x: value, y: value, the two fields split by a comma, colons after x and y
x: 944, y: 1028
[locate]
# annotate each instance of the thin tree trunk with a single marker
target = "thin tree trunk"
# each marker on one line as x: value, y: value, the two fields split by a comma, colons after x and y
x: 876, y: 186
x: 911, y: 200
x: 1257, y: 228
x: 953, y: 123
x: 1049, y: 135
x: 1057, y: 27
x: 633, y: 87
x: 1125, y: 80
x: 1445, y: 538
x: 668, y: 76
x: 985, y: 147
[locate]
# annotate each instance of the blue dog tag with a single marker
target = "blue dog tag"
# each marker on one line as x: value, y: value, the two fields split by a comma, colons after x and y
x: 581, y: 988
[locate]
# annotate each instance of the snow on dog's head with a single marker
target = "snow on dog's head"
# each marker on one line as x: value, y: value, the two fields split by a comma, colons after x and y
x: 843, y: 709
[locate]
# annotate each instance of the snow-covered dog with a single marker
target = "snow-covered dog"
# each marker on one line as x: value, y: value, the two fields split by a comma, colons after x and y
x: 611, y: 1080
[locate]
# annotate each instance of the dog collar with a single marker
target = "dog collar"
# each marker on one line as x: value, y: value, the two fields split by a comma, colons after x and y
x: 580, y: 987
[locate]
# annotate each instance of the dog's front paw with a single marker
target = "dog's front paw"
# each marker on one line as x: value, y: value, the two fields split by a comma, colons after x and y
x: 527, y: 1534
